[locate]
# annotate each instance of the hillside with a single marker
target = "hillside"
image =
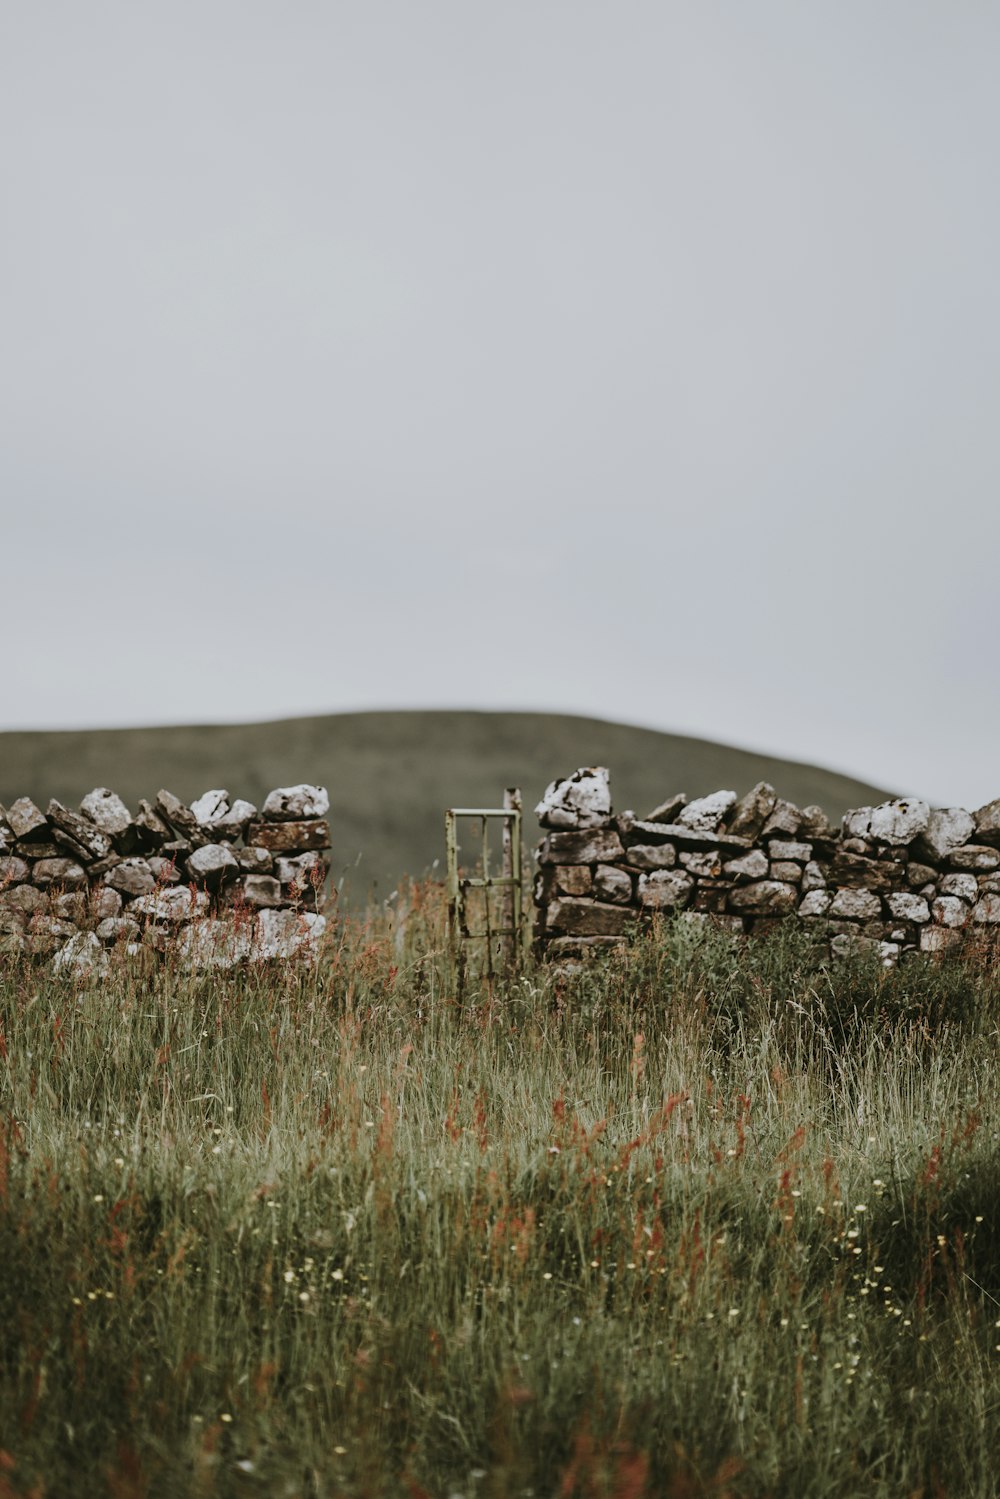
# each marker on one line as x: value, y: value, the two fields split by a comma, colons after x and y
x: 391, y: 775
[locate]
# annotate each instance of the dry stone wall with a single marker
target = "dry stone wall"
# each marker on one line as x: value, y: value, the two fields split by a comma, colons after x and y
x: 902, y: 877
x: 215, y: 883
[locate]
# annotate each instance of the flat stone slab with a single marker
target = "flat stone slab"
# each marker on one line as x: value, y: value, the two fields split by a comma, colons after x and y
x: 290, y: 837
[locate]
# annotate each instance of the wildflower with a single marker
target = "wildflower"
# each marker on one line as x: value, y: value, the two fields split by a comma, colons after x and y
x: 547, y: 1275
x: 289, y: 1277
x: 861, y: 1207
x: 338, y: 1274
x: 99, y: 1197
x: 340, y: 1451
x: 225, y: 1417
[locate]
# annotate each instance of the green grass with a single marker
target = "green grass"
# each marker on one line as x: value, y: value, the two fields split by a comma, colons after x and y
x: 391, y: 775
x: 707, y: 1219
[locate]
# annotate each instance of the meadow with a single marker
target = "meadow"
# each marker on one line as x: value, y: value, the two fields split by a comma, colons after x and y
x: 704, y: 1219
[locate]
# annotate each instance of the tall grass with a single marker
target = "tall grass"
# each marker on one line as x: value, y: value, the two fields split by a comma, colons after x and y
x: 705, y: 1219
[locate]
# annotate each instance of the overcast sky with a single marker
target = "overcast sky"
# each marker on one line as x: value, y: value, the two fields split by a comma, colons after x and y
x: 634, y: 359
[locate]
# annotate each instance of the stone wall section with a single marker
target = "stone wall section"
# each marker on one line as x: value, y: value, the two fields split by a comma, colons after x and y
x: 216, y: 882
x: 899, y: 878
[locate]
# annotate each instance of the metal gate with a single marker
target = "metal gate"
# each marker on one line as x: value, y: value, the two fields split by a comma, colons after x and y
x: 507, y: 933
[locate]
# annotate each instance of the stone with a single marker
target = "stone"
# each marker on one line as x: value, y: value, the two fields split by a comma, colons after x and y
x: 974, y: 856
x: 987, y: 823
x: 296, y: 837
x: 7, y: 837
x: 990, y: 883
x: 947, y: 828
x: 131, y: 877
x: 118, y: 929
x: 570, y: 879
x: 785, y: 818
x: 261, y: 890
x: 784, y: 848
x: 581, y: 947
x: 668, y: 810
x: 950, y: 911
x: 586, y: 918
x: 309, y: 870
x: 684, y: 837
x: 25, y: 820
x: 895, y: 822
x: 291, y: 934
x: 107, y: 811
x: 12, y: 924
x: 856, y: 905
x: 751, y: 812
x: 100, y: 867
x: 82, y: 957
x: 603, y: 847
x: 987, y: 910
x: 175, y: 904
x: 212, y: 865
x: 68, y: 845
x: 104, y: 903
x: 612, y: 884
x: 751, y: 866
x: 209, y: 806
x: 813, y: 877
x: 815, y: 903
x: 13, y: 870
x: 705, y: 813
x: 665, y: 889
x: 816, y: 825
x: 164, y: 870
x: 706, y: 865
x: 87, y: 834
x: 784, y: 870
x: 764, y: 898
x: 651, y: 856
x: 965, y: 886
x: 234, y: 823
x: 905, y: 906
x: 581, y: 801
x: 254, y: 860
x: 24, y: 898
x: 853, y: 944
x: 858, y: 873
x: 153, y: 829
x: 181, y: 819
x: 214, y: 944
x: 69, y: 906
x: 64, y: 872
x: 920, y: 874
x: 47, y: 933
x: 711, y: 895
x: 937, y: 938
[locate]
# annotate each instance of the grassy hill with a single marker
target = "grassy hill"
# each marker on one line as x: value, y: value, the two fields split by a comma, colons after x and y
x: 391, y: 775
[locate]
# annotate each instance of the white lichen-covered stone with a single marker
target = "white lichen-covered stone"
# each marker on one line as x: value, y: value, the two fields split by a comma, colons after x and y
x: 107, y: 811
x: 287, y: 934
x: 987, y: 823
x: 301, y: 869
x: 131, y: 877
x: 975, y: 856
x: 705, y: 813
x: 213, y: 864
x: 751, y: 866
x: 706, y: 865
x: 118, y: 929
x: 210, y: 806
x: 813, y: 877
x: 25, y: 819
x: 82, y: 957
x: 583, y: 800
x: 948, y: 910
x: 233, y: 824
x: 176, y: 904
x: 751, y: 812
x: 214, y: 944
x: 765, y: 898
x: 986, y: 911
x: 906, y: 906
x: 296, y: 803
x: 815, y: 903
x: 896, y: 822
x: 937, y: 938
x: 612, y: 884
x: 665, y: 889
x: 787, y: 849
x: 947, y: 828
x: 856, y: 905
x: 965, y: 886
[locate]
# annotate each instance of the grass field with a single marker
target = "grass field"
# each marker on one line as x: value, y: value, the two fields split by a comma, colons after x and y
x: 391, y: 775
x: 707, y: 1220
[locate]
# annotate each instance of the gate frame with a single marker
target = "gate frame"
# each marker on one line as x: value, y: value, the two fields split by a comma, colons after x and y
x: 516, y: 925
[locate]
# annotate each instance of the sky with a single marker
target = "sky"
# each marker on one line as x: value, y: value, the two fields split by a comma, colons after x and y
x: 639, y: 360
